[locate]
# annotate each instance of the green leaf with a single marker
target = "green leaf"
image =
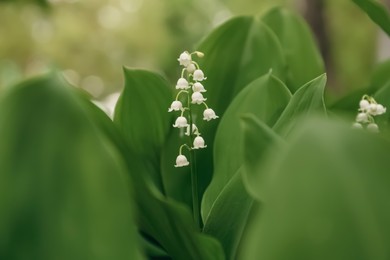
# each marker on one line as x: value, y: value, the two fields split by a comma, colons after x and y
x: 303, y: 58
x: 258, y: 140
x: 225, y: 202
x: 63, y: 190
x: 325, y: 197
x: 231, y: 209
x: 308, y: 99
x: 236, y: 53
x: 168, y: 222
x: 382, y: 97
x: 377, y: 13
x: 265, y: 98
x: 142, y: 115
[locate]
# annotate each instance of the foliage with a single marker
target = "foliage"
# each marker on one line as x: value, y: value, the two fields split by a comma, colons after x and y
x: 284, y: 175
x: 377, y: 12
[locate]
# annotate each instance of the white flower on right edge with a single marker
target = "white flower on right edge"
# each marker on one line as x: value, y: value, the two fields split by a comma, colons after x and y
x: 368, y: 108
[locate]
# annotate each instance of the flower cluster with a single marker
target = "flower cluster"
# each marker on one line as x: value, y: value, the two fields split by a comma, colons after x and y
x: 368, y: 108
x: 190, y: 92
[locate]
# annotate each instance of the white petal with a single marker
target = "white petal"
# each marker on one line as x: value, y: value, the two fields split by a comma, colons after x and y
x: 181, y: 161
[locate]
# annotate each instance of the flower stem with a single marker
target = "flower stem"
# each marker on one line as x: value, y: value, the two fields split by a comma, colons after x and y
x: 195, y: 195
x: 194, y: 179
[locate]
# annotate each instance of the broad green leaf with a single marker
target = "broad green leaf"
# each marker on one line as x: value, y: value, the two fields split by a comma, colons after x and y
x: 306, y: 100
x: 236, y: 53
x: 303, y: 58
x: 380, y: 75
x: 382, y: 97
x: 265, y: 98
x: 63, y: 190
x: 326, y: 197
x: 257, y: 141
x: 142, y: 114
x: 377, y: 13
x: 230, y: 209
x: 233, y: 205
x: 225, y: 201
x: 168, y: 222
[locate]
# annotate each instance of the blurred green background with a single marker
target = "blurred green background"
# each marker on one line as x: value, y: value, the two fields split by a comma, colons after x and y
x: 90, y: 40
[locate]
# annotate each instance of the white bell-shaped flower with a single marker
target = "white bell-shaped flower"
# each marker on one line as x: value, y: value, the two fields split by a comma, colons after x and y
x: 199, y: 54
x: 209, y: 114
x: 185, y: 59
x: 194, y: 130
x: 362, y: 118
x: 199, y: 143
x: 181, y: 122
x: 182, y: 83
x: 197, y: 98
x: 181, y: 161
x: 198, y: 87
x: 175, y: 106
x: 373, y: 109
x: 364, y: 105
x: 357, y: 126
x: 198, y: 75
x: 191, y: 68
x: 372, y: 127
x: 380, y: 109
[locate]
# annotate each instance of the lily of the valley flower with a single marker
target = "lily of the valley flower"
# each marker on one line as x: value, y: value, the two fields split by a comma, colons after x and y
x: 199, y: 143
x: 198, y: 75
x: 175, y: 106
x: 181, y: 122
x: 368, y: 108
x: 197, y: 98
x: 181, y: 161
x: 209, y: 114
x: 182, y: 83
x: 376, y: 109
x: 372, y: 127
x: 362, y: 118
x: 190, y: 92
x: 191, y: 68
x: 198, y: 87
x: 185, y: 59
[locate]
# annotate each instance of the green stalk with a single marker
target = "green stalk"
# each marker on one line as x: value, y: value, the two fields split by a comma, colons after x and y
x: 194, y: 178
